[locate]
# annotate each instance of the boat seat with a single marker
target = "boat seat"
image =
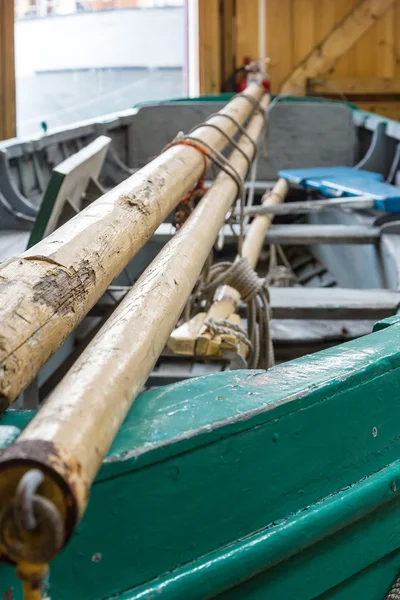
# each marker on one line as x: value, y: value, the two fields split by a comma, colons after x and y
x: 346, y: 182
x: 300, y: 133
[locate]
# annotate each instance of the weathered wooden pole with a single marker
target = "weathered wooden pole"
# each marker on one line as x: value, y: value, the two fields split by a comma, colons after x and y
x: 47, y: 291
x: 72, y: 432
x: 193, y: 338
x: 255, y: 236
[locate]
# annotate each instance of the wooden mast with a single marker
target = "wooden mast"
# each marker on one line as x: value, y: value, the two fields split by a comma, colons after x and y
x: 193, y: 338
x: 46, y: 292
x: 71, y: 434
x: 254, y: 240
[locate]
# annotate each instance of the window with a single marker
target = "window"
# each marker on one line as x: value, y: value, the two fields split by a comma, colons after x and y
x: 78, y: 59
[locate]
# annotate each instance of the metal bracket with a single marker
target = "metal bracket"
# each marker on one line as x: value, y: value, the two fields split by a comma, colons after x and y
x: 375, y: 159
x: 235, y: 360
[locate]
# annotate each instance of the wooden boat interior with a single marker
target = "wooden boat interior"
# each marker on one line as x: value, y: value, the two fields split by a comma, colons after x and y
x: 253, y: 476
x: 336, y: 251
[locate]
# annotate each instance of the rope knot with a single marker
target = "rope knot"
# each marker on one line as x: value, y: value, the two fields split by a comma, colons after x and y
x: 244, y: 279
x: 254, y: 292
x: 225, y: 327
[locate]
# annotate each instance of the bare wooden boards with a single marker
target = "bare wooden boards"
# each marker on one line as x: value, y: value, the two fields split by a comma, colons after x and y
x: 333, y: 303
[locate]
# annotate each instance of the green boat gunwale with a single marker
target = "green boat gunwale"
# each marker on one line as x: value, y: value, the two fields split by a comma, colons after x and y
x: 221, y: 410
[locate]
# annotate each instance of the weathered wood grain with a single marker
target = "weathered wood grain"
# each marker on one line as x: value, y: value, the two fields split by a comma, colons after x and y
x: 47, y: 291
x: 341, y: 38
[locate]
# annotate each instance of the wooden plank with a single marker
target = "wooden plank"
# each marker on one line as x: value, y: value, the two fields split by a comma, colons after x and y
x: 7, y: 71
x: 324, y: 18
x: 209, y: 47
x: 327, y: 15
x: 396, y: 25
x: 228, y: 42
x: 341, y: 38
x: 332, y: 303
x: 355, y: 85
x: 298, y: 331
x: 279, y: 47
x: 385, y: 44
x: 365, y: 52
x: 346, y: 64
x: 246, y: 30
x: 386, y: 109
x: 303, y: 29
x: 322, y: 234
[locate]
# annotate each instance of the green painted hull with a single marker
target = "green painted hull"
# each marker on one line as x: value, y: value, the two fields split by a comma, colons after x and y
x: 248, y: 485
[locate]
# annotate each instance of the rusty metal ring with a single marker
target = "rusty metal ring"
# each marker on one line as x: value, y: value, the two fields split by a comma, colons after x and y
x: 31, y: 528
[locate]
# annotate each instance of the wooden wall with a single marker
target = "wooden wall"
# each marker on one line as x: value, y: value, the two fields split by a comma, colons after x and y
x: 368, y: 73
x: 7, y: 71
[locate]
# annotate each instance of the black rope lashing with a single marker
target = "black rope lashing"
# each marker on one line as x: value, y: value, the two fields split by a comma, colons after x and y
x: 240, y: 128
x: 220, y: 161
x: 229, y: 139
x: 255, y: 103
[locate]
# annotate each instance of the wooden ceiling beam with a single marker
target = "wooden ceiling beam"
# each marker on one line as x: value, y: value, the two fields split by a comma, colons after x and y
x: 339, y: 40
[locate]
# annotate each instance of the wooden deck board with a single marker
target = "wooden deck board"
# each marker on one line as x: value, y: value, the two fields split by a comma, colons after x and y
x: 333, y: 303
x: 322, y: 234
